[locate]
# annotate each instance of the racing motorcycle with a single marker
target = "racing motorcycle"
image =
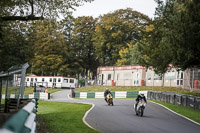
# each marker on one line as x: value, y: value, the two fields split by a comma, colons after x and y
x: 109, y: 99
x: 140, y: 108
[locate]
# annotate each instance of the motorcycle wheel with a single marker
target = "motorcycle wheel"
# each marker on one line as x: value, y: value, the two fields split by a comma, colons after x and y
x: 112, y: 103
x: 136, y: 112
x: 141, y: 112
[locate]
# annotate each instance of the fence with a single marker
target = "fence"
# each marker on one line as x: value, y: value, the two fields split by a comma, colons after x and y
x: 116, y: 94
x: 24, y: 121
x: 12, y: 82
x: 38, y: 95
x: 174, y: 98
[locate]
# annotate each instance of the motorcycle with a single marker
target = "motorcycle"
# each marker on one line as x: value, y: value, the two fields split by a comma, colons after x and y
x: 140, y: 108
x: 109, y: 99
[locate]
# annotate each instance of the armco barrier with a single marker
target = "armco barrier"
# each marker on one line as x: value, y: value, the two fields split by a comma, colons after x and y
x: 178, y: 99
x: 24, y: 121
x: 197, y: 103
x: 117, y: 94
x: 191, y: 102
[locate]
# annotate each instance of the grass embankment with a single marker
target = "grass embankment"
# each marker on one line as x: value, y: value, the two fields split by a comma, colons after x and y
x: 137, y: 88
x: 62, y: 117
x: 185, y: 111
x: 27, y: 90
x: 15, y: 90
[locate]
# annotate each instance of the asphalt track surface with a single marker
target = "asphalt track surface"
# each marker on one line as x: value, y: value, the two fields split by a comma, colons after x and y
x: 121, y: 117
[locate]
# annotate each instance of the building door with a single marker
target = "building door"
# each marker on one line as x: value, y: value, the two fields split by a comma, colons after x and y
x: 180, y: 76
x: 54, y: 82
x: 136, y: 76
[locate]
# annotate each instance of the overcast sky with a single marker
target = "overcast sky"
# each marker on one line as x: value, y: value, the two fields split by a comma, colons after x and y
x: 100, y: 7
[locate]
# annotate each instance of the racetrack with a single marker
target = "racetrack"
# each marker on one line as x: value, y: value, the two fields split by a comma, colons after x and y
x: 121, y: 117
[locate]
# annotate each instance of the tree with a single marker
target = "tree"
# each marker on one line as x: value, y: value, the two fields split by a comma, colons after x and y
x: 179, y: 24
x: 25, y: 10
x: 115, y: 31
x: 49, y: 48
x: 82, y: 36
x: 14, y: 48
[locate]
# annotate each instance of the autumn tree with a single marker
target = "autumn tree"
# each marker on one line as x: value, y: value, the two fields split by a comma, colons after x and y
x: 115, y: 31
x: 49, y: 48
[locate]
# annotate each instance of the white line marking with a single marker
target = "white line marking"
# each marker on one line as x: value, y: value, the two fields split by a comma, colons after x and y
x: 176, y: 113
x: 69, y: 97
x: 86, y: 113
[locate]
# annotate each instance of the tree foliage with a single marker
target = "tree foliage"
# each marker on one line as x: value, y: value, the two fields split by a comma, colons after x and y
x: 174, y: 38
x: 115, y: 31
x: 82, y: 36
x: 49, y: 48
x: 36, y: 9
x: 14, y: 48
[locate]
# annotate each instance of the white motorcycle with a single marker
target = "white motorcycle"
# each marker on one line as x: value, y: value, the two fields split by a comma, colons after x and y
x: 140, y: 108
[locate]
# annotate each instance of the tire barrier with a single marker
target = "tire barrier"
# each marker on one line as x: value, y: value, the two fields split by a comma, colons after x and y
x: 174, y: 98
x: 37, y: 95
x: 24, y: 121
x: 116, y: 94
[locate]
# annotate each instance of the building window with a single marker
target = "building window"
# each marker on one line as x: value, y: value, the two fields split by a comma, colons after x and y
x: 50, y: 80
x: 198, y: 76
x: 157, y: 77
x: 59, y: 79
x: 65, y: 80
x: 35, y: 79
x: 27, y: 79
x: 109, y: 76
x: 170, y: 76
x: 127, y: 76
x: 31, y: 79
x: 54, y: 79
x: 42, y: 79
x: 148, y: 75
x: 71, y: 80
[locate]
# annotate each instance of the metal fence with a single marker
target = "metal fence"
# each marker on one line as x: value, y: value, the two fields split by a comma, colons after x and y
x: 12, y: 85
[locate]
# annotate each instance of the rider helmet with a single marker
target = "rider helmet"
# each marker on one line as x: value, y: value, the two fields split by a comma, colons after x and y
x: 141, y: 94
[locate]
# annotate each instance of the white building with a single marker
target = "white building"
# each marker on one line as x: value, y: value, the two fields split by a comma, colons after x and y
x: 140, y: 76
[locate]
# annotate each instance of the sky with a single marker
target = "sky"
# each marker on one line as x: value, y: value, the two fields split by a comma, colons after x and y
x: 100, y: 7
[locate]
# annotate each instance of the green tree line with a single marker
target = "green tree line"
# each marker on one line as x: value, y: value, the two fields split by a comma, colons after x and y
x: 123, y: 37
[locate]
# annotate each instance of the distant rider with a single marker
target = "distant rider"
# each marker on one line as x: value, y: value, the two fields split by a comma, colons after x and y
x: 140, y: 97
x: 106, y: 93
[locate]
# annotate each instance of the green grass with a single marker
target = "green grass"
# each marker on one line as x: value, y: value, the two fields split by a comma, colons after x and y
x: 136, y: 88
x: 185, y: 111
x: 2, y: 101
x: 27, y: 90
x: 15, y: 90
x: 62, y: 117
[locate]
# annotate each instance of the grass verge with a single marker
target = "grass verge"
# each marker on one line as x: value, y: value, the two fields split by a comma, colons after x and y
x: 185, y: 111
x: 59, y: 117
x: 137, y: 88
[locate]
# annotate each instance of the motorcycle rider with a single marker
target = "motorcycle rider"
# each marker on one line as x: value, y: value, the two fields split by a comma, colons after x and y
x: 106, y: 93
x: 140, y: 97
